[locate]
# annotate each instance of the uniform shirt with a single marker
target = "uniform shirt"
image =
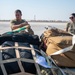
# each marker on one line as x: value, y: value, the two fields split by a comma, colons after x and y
x: 15, y: 22
x: 71, y: 27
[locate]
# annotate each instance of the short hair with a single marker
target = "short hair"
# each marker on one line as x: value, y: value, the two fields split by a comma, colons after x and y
x: 73, y: 14
x: 18, y: 11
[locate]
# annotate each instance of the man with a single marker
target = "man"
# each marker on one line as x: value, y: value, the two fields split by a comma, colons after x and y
x: 19, y: 22
x: 71, y: 25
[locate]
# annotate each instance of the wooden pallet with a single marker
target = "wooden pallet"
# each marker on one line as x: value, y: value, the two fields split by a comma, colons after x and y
x: 19, y: 60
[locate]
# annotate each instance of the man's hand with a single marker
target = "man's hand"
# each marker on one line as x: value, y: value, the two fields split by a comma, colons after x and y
x: 27, y: 26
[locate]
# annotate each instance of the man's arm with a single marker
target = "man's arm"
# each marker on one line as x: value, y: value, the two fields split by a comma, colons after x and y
x: 30, y: 31
x: 67, y: 26
x: 13, y: 26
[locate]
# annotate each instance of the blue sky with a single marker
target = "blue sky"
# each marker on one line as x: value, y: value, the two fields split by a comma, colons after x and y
x: 43, y: 9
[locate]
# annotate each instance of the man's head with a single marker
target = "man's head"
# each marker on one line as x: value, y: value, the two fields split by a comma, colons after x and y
x: 72, y: 17
x: 18, y: 14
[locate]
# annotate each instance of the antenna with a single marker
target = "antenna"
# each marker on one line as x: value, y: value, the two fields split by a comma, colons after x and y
x: 34, y: 17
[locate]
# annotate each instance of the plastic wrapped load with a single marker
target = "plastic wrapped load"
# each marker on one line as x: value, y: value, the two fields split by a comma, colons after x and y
x: 12, y: 67
x: 20, y: 37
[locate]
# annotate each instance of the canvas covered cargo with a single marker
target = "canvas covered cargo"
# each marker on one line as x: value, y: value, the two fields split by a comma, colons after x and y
x: 55, y: 42
x: 53, y: 32
x: 66, y: 59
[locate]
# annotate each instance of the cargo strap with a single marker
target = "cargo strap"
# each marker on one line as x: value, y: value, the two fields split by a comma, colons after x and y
x: 18, y: 56
x: 34, y: 57
x: 63, y: 50
x: 1, y: 64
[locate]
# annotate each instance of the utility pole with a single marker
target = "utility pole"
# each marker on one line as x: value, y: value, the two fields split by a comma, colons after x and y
x: 34, y: 17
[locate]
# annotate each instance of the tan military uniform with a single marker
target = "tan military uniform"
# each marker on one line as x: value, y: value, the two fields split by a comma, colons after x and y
x: 15, y: 22
x: 71, y: 28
